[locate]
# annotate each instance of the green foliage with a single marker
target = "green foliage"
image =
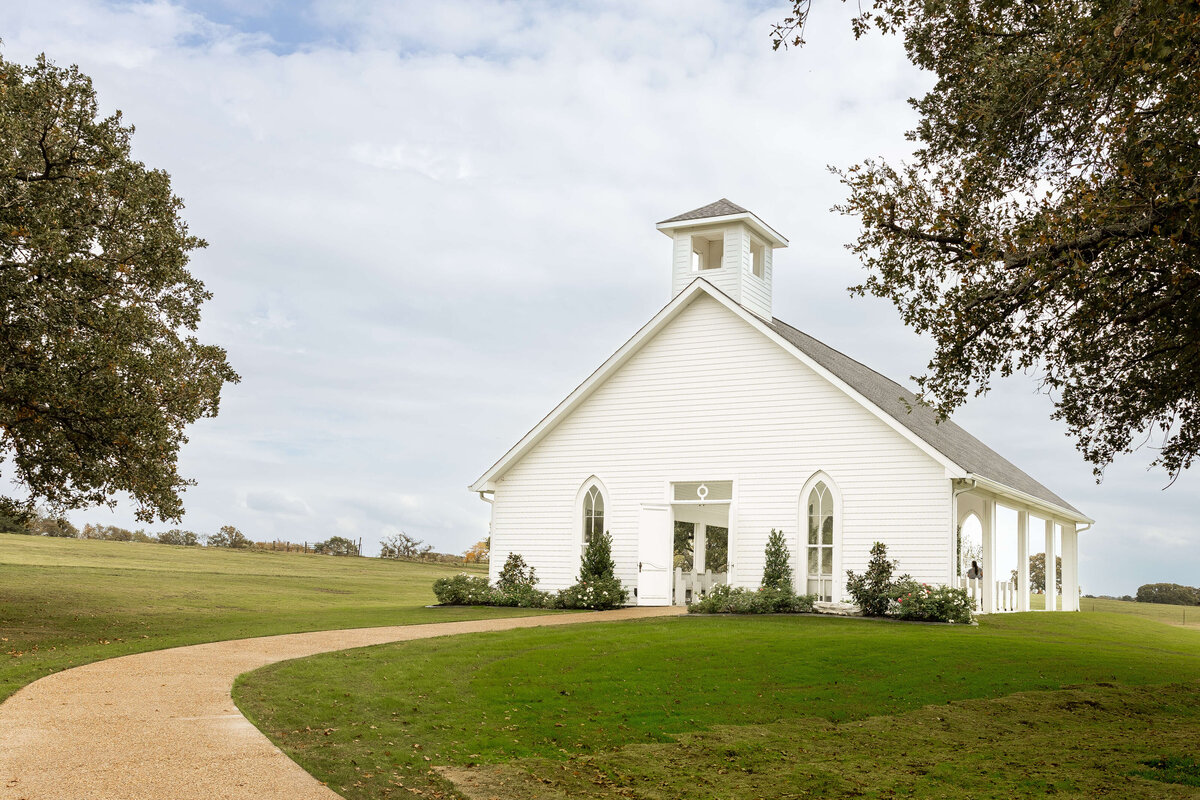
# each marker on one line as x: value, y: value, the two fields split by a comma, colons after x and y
x: 1170, y: 593
x: 102, y: 373
x: 726, y: 599
x: 1050, y: 218
x: 597, y: 587
x: 179, y: 537
x: 463, y: 590
x: 685, y: 546
x: 777, y: 573
x: 111, y: 533
x: 921, y: 602
x: 336, y: 546
x: 22, y: 518
x: 59, y: 527
x: 1037, y: 572
x: 228, y: 536
x: 516, y: 574
x: 597, y: 562
x: 515, y: 588
x: 597, y: 594
x: 522, y: 596
x: 873, y: 589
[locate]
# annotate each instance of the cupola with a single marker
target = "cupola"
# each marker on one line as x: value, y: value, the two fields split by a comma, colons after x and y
x: 729, y: 247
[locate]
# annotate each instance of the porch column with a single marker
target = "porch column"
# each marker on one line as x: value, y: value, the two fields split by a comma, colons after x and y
x: 1051, y: 569
x: 988, y: 584
x: 1070, y: 557
x: 699, y: 547
x: 1022, y: 560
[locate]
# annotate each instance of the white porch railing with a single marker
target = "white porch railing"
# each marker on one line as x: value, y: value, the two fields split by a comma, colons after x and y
x: 1004, y: 595
x: 691, y: 586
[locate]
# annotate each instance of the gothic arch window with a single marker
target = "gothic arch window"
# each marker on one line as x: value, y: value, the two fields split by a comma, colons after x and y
x: 592, y: 508
x: 821, y: 524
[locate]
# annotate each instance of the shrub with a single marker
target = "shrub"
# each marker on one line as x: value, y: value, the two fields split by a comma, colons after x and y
x: 514, y: 589
x: 228, y: 536
x: 336, y: 546
x: 522, y: 597
x: 597, y: 562
x: 767, y: 600
x: 598, y: 594
x: 516, y: 574
x: 872, y: 590
x: 463, y: 590
x: 777, y: 573
x: 920, y: 601
x: 59, y: 527
x: 180, y: 537
x: 597, y: 587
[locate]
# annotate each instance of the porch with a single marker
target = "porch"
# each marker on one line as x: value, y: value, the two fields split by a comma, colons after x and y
x: 997, y: 533
x: 701, y: 549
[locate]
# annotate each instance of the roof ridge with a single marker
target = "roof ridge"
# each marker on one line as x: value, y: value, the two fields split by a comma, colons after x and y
x: 717, y: 208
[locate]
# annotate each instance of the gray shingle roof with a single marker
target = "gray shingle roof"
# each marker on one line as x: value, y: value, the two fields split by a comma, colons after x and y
x: 720, y: 208
x: 947, y: 438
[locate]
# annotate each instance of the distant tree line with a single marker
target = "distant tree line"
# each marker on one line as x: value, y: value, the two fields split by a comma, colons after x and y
x: 18, y: 519
x: 1169, y: 593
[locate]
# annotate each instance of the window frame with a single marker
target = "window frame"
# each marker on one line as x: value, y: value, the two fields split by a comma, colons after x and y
x: 759, y: 269
x: 803, y: 576
x: 581, y: 510
x: 702, y: 258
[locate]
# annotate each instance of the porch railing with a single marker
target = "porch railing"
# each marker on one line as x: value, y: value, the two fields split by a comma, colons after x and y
x: 690, y: 586
x: 1004, y: 597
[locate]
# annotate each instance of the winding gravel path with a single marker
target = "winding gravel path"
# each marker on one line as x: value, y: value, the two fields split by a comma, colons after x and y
x: 162, y: 725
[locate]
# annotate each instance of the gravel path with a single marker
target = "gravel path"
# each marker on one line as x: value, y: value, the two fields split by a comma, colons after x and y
x: 162, y: 725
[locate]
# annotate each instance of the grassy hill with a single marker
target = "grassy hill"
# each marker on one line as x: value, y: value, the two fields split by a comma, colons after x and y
x: 784, y: 707
x: 65, y: 602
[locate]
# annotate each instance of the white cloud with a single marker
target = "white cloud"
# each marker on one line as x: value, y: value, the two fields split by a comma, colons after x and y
x: 277, y: 502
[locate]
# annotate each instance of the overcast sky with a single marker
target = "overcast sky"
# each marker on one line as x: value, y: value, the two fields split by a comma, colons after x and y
x: 428, y: 222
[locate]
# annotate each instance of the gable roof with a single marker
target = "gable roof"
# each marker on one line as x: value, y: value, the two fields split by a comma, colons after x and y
x: 721, y: 208
x: 898, y: 402
x: 959, y: 452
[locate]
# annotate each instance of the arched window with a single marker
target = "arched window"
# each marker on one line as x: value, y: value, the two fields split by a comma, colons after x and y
x: 593, y: 513
x: 820, y: 542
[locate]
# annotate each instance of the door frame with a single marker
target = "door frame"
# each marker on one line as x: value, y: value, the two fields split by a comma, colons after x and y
x: 669, y: 498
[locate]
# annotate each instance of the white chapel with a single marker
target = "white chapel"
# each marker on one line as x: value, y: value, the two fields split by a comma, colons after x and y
x: 717, y: 422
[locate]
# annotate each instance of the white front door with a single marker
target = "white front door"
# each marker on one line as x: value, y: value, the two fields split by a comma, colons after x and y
x: 655, y: 543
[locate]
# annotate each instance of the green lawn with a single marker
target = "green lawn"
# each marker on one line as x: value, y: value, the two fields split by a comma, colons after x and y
x: 65, y: 602
x: 748, y: 707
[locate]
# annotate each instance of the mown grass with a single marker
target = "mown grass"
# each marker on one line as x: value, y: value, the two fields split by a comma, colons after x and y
x: 597, y: 710
x: 1159, y: 612
x: 65, y: 602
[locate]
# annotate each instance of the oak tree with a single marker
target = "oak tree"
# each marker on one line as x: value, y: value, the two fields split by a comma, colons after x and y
x: 1049, y: 220
x: 100, y: 374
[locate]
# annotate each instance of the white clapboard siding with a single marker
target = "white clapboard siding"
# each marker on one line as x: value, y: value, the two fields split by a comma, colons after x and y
x: 756, y: 291
x: 711, y: 398
x: 727, y: 278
